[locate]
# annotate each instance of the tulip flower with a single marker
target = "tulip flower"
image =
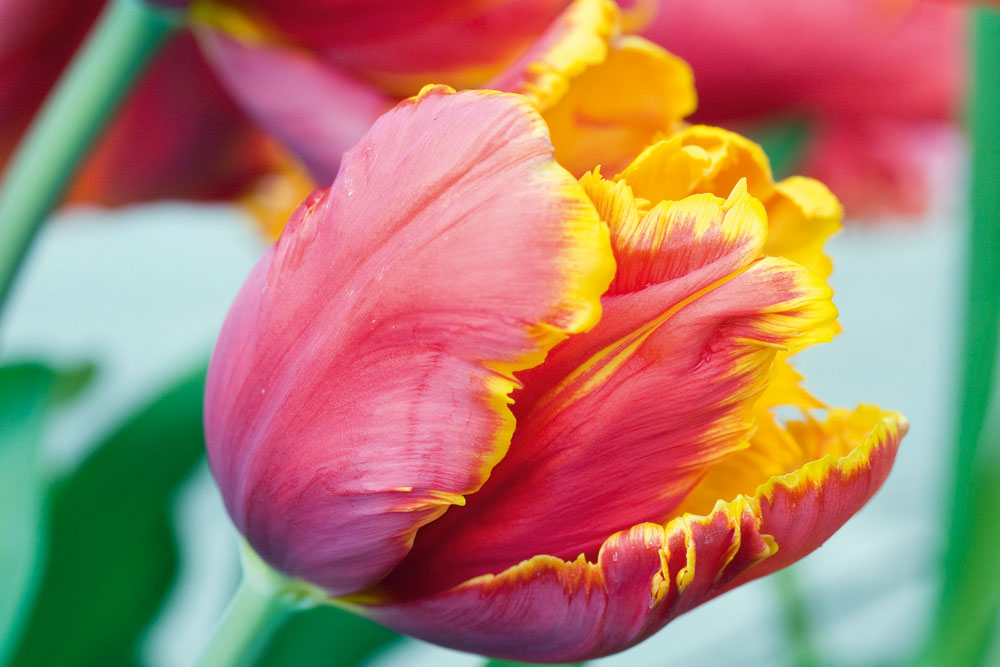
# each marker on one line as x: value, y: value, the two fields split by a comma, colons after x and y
x: 880, y: 83
x: 604, y: 96
x: 508, y: 411
x: 178, y: 134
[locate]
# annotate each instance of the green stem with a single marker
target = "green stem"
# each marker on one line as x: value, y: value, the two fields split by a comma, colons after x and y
x: 262, y: 601
x: 248, y: 621
x: 121, y: 43
x: 795, y: 614
x: 970, y: 587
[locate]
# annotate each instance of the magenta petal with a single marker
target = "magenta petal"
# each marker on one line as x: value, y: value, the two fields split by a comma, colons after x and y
x: 360, y: 384
x: 317, y: 110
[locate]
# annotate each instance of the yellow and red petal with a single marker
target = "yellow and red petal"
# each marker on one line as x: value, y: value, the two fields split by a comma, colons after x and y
x: 361, y: 383
x: 802, y: 213
x: 664, y: 387
x: 551, y: 610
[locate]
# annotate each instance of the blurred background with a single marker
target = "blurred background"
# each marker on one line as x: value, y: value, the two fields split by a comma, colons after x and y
x: 124, y: 305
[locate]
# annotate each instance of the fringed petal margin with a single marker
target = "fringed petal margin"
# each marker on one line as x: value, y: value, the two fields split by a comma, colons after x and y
x: 802, y: 213
x: 361, y: 383
x: 550, y: 610
x: 578, y: 39
x: 604, y: 97
x: 664, y: 387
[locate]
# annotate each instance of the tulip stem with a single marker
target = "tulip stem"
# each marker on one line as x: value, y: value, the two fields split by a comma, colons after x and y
x: 970, y: 590
x: 262, y: 601
x: 251, y: 617
x: 115, y: 52
x: 795, y: 613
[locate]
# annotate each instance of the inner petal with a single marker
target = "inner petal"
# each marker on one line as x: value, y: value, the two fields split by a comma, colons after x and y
x: 619, y: 424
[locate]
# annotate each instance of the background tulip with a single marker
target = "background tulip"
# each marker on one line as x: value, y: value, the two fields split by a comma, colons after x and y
x: 178, y: 135
x: 357, y: 406
x: 604, y: 96
x: 879, y: 83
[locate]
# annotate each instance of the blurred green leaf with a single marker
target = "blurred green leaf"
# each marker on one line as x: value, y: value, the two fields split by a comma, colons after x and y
x: 784, y: 140
x: 71, y: 381
x: 970, y: 594
x: 324, y: 637
x: 112, y: 551
x: 25, y: 392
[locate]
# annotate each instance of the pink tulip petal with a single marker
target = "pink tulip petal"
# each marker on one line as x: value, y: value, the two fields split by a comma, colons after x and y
x: 360, y: 385
x: 317, y: 110
x: 620, y: 423
x: 550, y: 610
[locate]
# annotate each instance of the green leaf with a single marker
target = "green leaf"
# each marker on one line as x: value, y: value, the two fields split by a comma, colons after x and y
x: 784, y: 140
x: 113, y: 556
x: 970, y: 593
x: 71, y: 381
x: 25, y: 391
x: 325, y: 637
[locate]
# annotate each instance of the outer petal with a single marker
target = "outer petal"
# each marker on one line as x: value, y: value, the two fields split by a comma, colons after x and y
x: 401, y: 45
x: 360, y: 384
x: 549, y: 610
x: 660, y: 390
x: 317, y: 110
x: 802, y: 213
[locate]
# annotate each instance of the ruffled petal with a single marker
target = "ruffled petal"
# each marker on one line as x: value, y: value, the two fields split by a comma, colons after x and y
x: 615, y: 109
x: 802, y: 213
x: 316, y: 110
x: 550, y: 610
x: 603, y: 96
x: 578, y: 39
x: 664, y: 387
x: 360, y: 384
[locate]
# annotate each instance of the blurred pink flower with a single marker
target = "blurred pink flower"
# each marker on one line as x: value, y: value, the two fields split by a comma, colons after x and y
x: 177, y: 135
x: 879, y: 82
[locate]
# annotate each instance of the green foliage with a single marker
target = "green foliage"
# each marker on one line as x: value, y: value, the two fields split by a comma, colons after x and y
x: 970, y: 599
x: 112, y: 553
x: 25, y: 393
x: 324, y: 637
x: 784, y: 141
